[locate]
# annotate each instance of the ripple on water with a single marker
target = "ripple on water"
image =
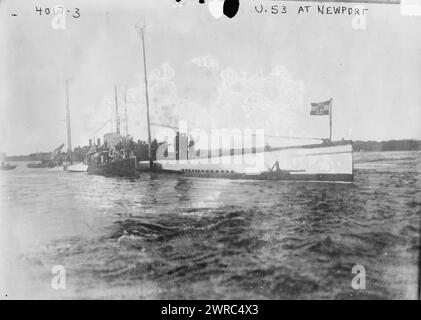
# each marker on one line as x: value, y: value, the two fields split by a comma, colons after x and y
x: 165, y: 236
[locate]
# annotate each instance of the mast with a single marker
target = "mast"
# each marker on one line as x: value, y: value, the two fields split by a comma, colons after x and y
x: 140, y: 31
x: 69, y: 132
x: 117, y: 119
x: 125, y: 111
x: 330, y: 119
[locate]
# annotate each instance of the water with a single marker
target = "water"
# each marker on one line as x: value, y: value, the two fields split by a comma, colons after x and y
x: 169, y: 237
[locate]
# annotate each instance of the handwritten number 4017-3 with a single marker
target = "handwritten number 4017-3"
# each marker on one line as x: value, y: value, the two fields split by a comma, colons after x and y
x: 57, y: 10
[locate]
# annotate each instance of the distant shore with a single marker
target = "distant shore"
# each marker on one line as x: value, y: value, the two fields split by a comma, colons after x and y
x: 390, y: 145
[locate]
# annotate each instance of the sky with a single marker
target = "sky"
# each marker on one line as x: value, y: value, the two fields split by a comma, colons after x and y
x: 254, y: 71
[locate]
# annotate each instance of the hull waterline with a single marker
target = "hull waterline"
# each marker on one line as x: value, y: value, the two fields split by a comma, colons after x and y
x: 317, y: 162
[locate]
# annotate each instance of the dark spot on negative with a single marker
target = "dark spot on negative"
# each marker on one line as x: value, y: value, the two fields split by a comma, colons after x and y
x: 231, y: 8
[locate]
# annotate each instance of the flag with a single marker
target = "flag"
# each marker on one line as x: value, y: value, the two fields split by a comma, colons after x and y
x: 91, y: 150
x: 321, y: 108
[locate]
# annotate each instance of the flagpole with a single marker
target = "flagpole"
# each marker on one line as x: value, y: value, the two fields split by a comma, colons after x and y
x: 69, y: 131
x: 125, y: 111
x: 117, y: 120
x: 330, y: 119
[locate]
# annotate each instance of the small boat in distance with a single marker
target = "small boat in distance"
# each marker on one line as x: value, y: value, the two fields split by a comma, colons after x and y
x: 6, y: 166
